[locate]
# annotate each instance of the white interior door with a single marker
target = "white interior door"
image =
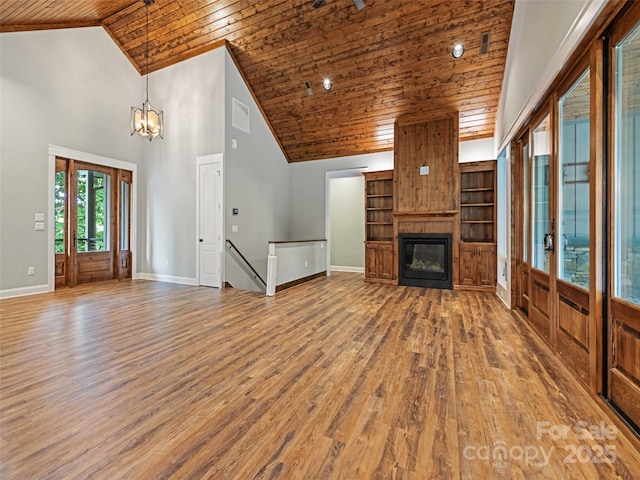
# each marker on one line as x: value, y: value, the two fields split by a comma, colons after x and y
x: 210, y: 221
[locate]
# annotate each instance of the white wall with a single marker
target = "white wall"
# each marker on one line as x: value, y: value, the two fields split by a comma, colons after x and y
x: 256, y: 182
x: 308, y: 189
x: 476, y: 150
x: 297, y: 260
x: 346, y: 238
x: 191, y: 94
x: 543, y: 35
x: 71, y: 88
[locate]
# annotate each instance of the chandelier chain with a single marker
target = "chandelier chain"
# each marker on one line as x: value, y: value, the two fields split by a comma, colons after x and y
x: 147, y: 51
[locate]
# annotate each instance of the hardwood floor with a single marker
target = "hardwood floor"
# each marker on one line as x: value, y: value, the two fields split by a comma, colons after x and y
x: 333, y: 379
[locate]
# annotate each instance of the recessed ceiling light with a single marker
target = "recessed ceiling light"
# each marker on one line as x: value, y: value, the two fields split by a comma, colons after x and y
x: 326, y: 84
x: 458, y: 50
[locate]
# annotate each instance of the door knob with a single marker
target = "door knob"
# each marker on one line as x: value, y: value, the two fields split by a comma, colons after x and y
x: 200, y: 240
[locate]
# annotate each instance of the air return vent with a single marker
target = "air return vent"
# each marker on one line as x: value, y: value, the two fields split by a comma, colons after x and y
x: 484, y: 43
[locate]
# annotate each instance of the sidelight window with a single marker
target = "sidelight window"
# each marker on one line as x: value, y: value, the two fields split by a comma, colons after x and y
x: 59, y: 211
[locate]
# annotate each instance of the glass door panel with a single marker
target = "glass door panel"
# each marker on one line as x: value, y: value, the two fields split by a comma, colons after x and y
x: 93, y: 219
x: 526, y: 201
x: 540, y: 193
x: 627, y: 170
x: 573, y: 192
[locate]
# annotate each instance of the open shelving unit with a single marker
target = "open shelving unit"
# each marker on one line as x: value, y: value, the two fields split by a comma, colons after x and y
x: 477, y: 202
x: 379, y: 252
x: 379, y: 206
x: 478, y: 225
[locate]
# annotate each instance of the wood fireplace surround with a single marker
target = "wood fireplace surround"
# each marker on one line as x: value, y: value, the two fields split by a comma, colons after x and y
x: 426, y: 198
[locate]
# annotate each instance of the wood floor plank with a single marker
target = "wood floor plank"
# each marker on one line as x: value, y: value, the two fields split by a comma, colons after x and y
x: 333, y: 379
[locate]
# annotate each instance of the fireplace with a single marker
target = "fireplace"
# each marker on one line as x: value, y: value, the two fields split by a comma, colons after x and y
x: 425, y: 260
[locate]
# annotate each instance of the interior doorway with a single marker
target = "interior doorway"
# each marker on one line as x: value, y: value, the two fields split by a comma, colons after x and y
x: 345, y: 221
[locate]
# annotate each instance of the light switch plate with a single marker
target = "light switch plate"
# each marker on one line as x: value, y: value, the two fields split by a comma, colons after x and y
x: 424, y: 170
x: 39, y: 226
x: 39, y: 217
x: 234, y: 228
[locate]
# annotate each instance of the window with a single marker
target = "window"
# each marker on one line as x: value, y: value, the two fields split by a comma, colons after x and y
x: 59, y: 206
x: 573, y: 175
x: 124, y: 216
x: 627, y: 170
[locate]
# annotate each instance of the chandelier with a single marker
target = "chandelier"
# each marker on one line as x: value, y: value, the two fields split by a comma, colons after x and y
x: 146, y: 120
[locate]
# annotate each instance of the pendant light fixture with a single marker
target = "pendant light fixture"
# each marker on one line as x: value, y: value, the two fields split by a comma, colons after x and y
x: 146, y: 120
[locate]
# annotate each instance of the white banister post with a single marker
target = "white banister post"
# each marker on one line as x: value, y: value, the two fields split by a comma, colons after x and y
x: 272, y: 265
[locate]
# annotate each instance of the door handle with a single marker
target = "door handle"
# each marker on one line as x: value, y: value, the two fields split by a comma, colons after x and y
x: 200, y: 240
x: 548, y: 242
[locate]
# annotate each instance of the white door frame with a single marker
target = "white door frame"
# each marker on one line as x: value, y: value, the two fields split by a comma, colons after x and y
x: 350, y: 172
x: 204, y: 160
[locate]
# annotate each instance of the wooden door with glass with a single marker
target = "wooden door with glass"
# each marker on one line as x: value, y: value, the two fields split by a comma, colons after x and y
x: 542, y: 229
x: 623, y: 342
x: 92, y: 231
x: 575, y: 332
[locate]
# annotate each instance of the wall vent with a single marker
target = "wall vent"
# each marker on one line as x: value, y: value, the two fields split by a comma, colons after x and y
x: 240, y: 115
x: 484, y: 43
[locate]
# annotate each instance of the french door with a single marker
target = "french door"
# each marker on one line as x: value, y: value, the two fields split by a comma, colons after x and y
x: 576, y: 232
x: 92, y: 231
x: 542, y: 229
x: 623, y: 379
x: 555, y: 268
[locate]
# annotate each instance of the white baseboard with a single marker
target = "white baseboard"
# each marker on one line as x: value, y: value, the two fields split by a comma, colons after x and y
x: 340, y: 268
x: 167, y: 278
x: 22, y: 291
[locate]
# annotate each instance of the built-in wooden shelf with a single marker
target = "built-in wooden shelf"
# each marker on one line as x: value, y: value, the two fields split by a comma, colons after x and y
x: 478, y: 225
x: 379, y: 256
x: 478, y: 202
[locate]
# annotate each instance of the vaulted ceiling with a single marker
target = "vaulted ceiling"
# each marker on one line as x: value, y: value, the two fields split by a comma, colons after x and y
x: 390, y: 59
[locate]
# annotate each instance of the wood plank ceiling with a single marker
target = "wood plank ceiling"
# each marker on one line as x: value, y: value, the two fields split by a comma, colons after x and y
x: 389, y: 59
